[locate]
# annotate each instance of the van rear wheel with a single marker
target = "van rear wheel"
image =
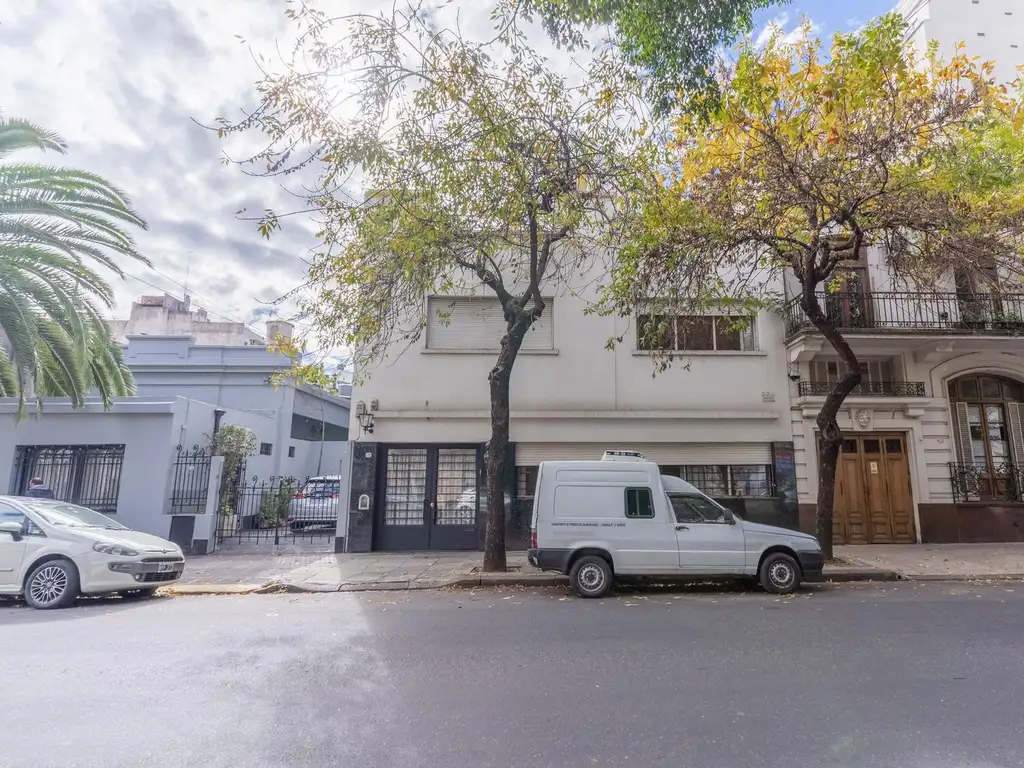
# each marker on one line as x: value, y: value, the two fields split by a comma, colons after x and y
x: 591, y: 576
x: 780, y: 574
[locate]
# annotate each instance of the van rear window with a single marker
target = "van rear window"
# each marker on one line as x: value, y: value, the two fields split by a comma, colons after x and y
x: 639, y: 502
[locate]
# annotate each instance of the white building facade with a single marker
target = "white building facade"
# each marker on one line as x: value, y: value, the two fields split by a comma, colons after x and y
x: 935, y: 444
x: 990, y: 29
x: 719, y: 416
x: 167, y: 315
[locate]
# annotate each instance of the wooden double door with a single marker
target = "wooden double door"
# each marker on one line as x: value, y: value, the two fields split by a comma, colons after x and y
x: 873, y: 503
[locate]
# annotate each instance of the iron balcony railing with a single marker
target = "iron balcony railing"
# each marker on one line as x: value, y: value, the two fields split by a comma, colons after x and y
x: 1000, y: 483
x: 951, y: 313
x: 870, y: 388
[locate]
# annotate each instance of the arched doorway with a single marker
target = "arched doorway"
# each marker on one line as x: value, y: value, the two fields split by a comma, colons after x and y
x: 988, y: 413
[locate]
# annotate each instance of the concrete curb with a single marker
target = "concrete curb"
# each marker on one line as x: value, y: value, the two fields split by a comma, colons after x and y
x: 847, y: 575
x: 953, y: 577
x: 213, y: 589
x: 843, y: 576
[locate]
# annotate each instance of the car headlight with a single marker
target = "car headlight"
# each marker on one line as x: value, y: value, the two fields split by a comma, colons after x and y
x: 114, y: 549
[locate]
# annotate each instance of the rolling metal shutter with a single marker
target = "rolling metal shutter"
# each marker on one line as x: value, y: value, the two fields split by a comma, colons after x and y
x: 666, y: 454
x: 477, y: 323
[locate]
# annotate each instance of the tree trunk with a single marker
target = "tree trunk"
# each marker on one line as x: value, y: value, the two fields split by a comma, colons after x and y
x: 497, y: 448
x: 831, y: 435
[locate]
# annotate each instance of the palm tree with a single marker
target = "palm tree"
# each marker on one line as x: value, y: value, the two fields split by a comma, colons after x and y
x: 56, y: 224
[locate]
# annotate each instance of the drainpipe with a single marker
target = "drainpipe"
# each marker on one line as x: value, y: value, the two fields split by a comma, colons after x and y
x: 218, y: 414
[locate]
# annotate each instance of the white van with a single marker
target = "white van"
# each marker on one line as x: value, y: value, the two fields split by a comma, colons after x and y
x: 596, y: 520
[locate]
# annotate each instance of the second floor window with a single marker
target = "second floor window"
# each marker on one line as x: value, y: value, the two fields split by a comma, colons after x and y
x: 872, y: 371
x: 696, y: 333
x: 476, y: 324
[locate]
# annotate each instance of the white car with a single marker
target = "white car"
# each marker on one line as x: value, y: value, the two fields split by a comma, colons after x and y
x: 53, y: 551
x: 316, y: 505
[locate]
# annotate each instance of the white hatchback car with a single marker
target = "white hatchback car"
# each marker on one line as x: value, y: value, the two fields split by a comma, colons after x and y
x: 53, y: 551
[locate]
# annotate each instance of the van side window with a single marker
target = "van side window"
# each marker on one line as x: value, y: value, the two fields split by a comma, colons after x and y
x: 695, y: 509
x: 639, y: 502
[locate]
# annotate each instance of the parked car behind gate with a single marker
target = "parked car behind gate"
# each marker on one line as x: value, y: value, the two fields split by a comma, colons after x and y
x: 52, y: 551
x: 596, y: 520
x: 317, y: 503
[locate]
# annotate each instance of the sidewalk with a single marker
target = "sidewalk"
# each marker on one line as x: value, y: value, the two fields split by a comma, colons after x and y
x: 930, y: 562
x: 240, y: 574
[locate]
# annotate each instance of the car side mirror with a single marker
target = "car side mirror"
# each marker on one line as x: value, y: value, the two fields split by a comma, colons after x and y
x: 730, y: 518
x: 12, y: 528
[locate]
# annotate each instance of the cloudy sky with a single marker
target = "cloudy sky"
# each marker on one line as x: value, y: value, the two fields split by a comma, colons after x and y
x: 124, y: 82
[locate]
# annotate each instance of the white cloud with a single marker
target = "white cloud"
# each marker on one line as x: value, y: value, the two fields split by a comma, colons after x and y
x: 790, y: 30
x: 774, y: 25
x: 123, y: 83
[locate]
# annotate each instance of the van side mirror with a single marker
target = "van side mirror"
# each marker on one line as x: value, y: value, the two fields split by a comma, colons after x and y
x: 12, y: 528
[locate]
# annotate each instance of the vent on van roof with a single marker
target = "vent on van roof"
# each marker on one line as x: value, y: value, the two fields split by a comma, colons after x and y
x: 623, y: 456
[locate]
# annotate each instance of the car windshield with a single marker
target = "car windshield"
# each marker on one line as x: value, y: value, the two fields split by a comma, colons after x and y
x: 73, y: 516
x: 690, y: 508
x: 321, y: 488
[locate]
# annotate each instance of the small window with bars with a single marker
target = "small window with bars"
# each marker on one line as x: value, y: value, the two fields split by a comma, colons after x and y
x: 726, y: 480
x: 526, y: 482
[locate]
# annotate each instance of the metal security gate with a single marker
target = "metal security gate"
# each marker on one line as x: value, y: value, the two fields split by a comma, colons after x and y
x: 89, y: 475
x: 257, y: 513
x: 430, y: 498
x: 190, y: 481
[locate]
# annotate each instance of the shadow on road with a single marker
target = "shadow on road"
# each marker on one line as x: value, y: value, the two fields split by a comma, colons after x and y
x: 14, y: 609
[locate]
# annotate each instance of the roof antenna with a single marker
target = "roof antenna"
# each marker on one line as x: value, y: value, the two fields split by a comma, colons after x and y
x: 188, y: 270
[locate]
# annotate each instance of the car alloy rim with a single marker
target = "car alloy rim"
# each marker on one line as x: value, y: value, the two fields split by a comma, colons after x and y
x: 49, y: 585
x: 591, y: 578
x: 781, y: 574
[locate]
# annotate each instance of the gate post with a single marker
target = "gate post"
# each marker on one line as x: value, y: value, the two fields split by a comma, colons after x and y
x: 204, y: 534
x: 364, y: 483
x: 345, y: 495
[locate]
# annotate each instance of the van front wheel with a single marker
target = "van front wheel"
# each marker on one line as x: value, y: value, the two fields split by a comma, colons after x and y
x: 780, y: 574
x: 591, y: 576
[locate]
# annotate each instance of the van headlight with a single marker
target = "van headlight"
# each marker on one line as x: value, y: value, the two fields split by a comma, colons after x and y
x: 118, y: 550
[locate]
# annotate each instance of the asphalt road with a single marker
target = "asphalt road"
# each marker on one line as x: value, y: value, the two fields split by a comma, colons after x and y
x: 908, y: 676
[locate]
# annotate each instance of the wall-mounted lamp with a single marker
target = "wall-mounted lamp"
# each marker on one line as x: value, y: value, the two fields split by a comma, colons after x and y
x: 365, y: 418
x: 366, y: 422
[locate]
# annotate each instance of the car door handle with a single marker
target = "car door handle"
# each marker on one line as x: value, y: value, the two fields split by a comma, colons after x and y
x: 682, y: 528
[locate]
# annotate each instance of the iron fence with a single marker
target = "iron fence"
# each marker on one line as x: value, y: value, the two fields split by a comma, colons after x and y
x: 89, y: 475
x: 872, y: 388
x: 190, y: 481
x: 999, y: 484
x: 279, y: 510
x: 919, y: 312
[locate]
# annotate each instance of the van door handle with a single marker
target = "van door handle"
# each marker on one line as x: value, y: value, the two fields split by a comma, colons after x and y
x: 682, y: 528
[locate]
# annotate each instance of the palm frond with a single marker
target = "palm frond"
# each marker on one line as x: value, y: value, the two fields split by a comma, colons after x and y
x: 57, y: 226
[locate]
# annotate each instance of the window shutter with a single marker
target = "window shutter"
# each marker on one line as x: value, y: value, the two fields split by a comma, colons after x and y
x: 963, y: 434
x: 1016, y: 432
x: 477, y: 323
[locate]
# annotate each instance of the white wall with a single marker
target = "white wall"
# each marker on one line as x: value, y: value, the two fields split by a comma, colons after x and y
x: 989, y: 29
x: 429, y: 396
x: 146, y: 429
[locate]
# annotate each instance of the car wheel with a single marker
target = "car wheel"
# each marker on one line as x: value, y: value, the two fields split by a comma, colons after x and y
x: 780, y: 574
x: 591, y: 576
x: 296, y: 527
x: 53, y: 584
x: 139, y: 594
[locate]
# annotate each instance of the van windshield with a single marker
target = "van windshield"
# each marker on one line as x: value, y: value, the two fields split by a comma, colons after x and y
x: 690, y: 508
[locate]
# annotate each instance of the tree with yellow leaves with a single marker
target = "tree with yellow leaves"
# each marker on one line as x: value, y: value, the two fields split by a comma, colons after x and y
x: 807, y: 156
